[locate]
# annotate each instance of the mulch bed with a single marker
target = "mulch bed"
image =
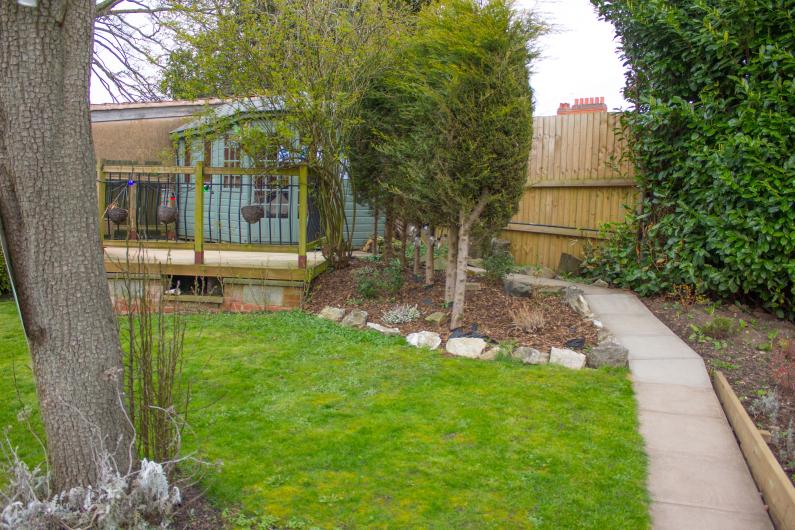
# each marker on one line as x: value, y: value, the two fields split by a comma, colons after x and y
x: 196, y: 512
x: 489, y: 308
x: 744, y: 358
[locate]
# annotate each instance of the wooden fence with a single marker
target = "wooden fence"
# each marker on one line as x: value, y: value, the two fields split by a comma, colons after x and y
x: 576, y: 182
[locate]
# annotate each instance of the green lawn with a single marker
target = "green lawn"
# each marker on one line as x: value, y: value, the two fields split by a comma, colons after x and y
x: 320, y: 425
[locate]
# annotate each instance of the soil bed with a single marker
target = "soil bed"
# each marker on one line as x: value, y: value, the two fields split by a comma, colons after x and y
x: 196, y: 512
x: 489, y: 308
x: 746, y: 355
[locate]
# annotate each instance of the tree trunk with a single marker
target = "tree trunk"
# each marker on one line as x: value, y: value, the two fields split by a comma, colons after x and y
x: 403, y: 241
x: 457, y: 314
x: 452, y: 263
x: 427, y: 237
x: 49, y: 211
x: 416, y: 264
x: 389, y: 233
x: 375, y: 232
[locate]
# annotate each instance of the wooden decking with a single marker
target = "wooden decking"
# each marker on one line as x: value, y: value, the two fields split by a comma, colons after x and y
x: 217, y: 263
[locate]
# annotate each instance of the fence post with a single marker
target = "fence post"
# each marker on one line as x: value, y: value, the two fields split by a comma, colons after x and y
x: 198, y: 215
x: 101, y: 197
x: 303, y: 200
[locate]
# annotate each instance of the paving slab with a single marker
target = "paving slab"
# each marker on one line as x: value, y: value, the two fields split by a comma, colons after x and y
x: 698, y: 478
x: 677, y: 399
x: 687, y: 372
x: 716, y: 483
x: 638, y: 325
x: 687, y: 434
x: 662, y: 346
x: 670, y: 516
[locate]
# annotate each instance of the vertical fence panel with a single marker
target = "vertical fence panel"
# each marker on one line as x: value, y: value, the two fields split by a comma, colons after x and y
x: 576, y: 182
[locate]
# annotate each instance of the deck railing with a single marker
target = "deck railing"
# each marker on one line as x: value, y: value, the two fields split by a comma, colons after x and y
x: 214, y: 208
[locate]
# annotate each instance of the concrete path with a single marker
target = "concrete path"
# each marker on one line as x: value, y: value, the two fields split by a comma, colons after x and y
x: 698, y: 478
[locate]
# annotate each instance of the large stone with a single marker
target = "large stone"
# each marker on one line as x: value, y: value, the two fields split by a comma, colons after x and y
x: 569, y: 264
x: 334, y: 314
x: 517, y: 287
x: 568, y: 358
x: 437, y: 318
x: 530, y: 355
x: 424, y: 339
x: 500, y: 246
x: 601, y: 283
x: 608, y: 353
x: 574, y: 297
x: 355, y: 319
x: 383, y: 329
x: 490, y: 354
x: 469, y: 347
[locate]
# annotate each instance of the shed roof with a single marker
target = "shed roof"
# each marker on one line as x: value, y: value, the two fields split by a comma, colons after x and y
x: 240, y: 107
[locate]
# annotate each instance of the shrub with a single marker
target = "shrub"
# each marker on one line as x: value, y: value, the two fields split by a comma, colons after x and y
x: 392, y: 277
x: 367, y: 281
x: 400, y: 314
x: 711, y: 140
x: 498, y: 266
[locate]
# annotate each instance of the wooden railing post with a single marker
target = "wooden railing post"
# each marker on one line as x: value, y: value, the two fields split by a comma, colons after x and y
x: 101, y: 193
x: 198, y: 215
x: 132, y: 207
x: 303, y: 208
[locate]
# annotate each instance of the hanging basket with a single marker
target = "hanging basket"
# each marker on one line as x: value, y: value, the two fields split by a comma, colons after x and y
x: 117, y: 215
x: 252, y: 213
x: 167, y: 214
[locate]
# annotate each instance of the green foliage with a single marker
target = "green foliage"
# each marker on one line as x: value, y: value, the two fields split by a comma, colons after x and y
x: 712, y: 140
x: 5, y: 281
x: 498, y: 266
x: 367, y: 280
x: 372, y: 281
x: 720, y: 328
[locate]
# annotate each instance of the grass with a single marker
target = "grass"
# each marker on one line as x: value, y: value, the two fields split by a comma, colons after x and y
x: 320, y: 425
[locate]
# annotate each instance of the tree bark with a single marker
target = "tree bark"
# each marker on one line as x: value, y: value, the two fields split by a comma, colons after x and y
x: 389, y: 232
x: 466, y: 221
x: 416, y: 264
x: 49, y: 211
x: 404, y: 227
x: 427, y: 237
x: 452, y: 263
x: 457, y: 313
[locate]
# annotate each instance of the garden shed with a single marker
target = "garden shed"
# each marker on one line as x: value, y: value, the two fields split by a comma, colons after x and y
x: 213, y: 140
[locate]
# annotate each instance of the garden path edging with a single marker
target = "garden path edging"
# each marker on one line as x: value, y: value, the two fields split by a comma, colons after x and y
x: 698, y: 478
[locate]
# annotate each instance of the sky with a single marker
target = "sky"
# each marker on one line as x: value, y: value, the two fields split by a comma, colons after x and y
x: 580, y: 57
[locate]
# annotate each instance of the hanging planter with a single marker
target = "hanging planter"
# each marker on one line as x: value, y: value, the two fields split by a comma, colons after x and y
x: 167, y: 214
x: 252, y: 213
x: 116, y: 215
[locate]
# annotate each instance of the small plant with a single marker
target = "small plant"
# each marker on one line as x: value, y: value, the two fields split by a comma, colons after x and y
x: 766, y: 406
x: 724, y: 365
x: 401, y: 314
x: 528, y: 319
x: 785, y: 441
x: 498, y: 266
x: 392, y: 277
x: 720, y: 328
x: 782, y: 365
x: 367, y: 281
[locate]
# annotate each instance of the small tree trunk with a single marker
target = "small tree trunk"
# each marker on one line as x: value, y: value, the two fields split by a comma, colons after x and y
x: 426, y: 235
x: 404, y: 236
x: 452, y: 263
x: 457, y: 314
x: 389, y: 233
x: 416, y: 265
x: 375, y: 232
x: 48, y: 203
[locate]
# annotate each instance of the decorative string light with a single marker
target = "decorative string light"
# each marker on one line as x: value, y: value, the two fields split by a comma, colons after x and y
x: 131, y: 183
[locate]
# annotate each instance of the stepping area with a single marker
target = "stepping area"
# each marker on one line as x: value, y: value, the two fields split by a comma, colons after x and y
x: 698, y: 478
